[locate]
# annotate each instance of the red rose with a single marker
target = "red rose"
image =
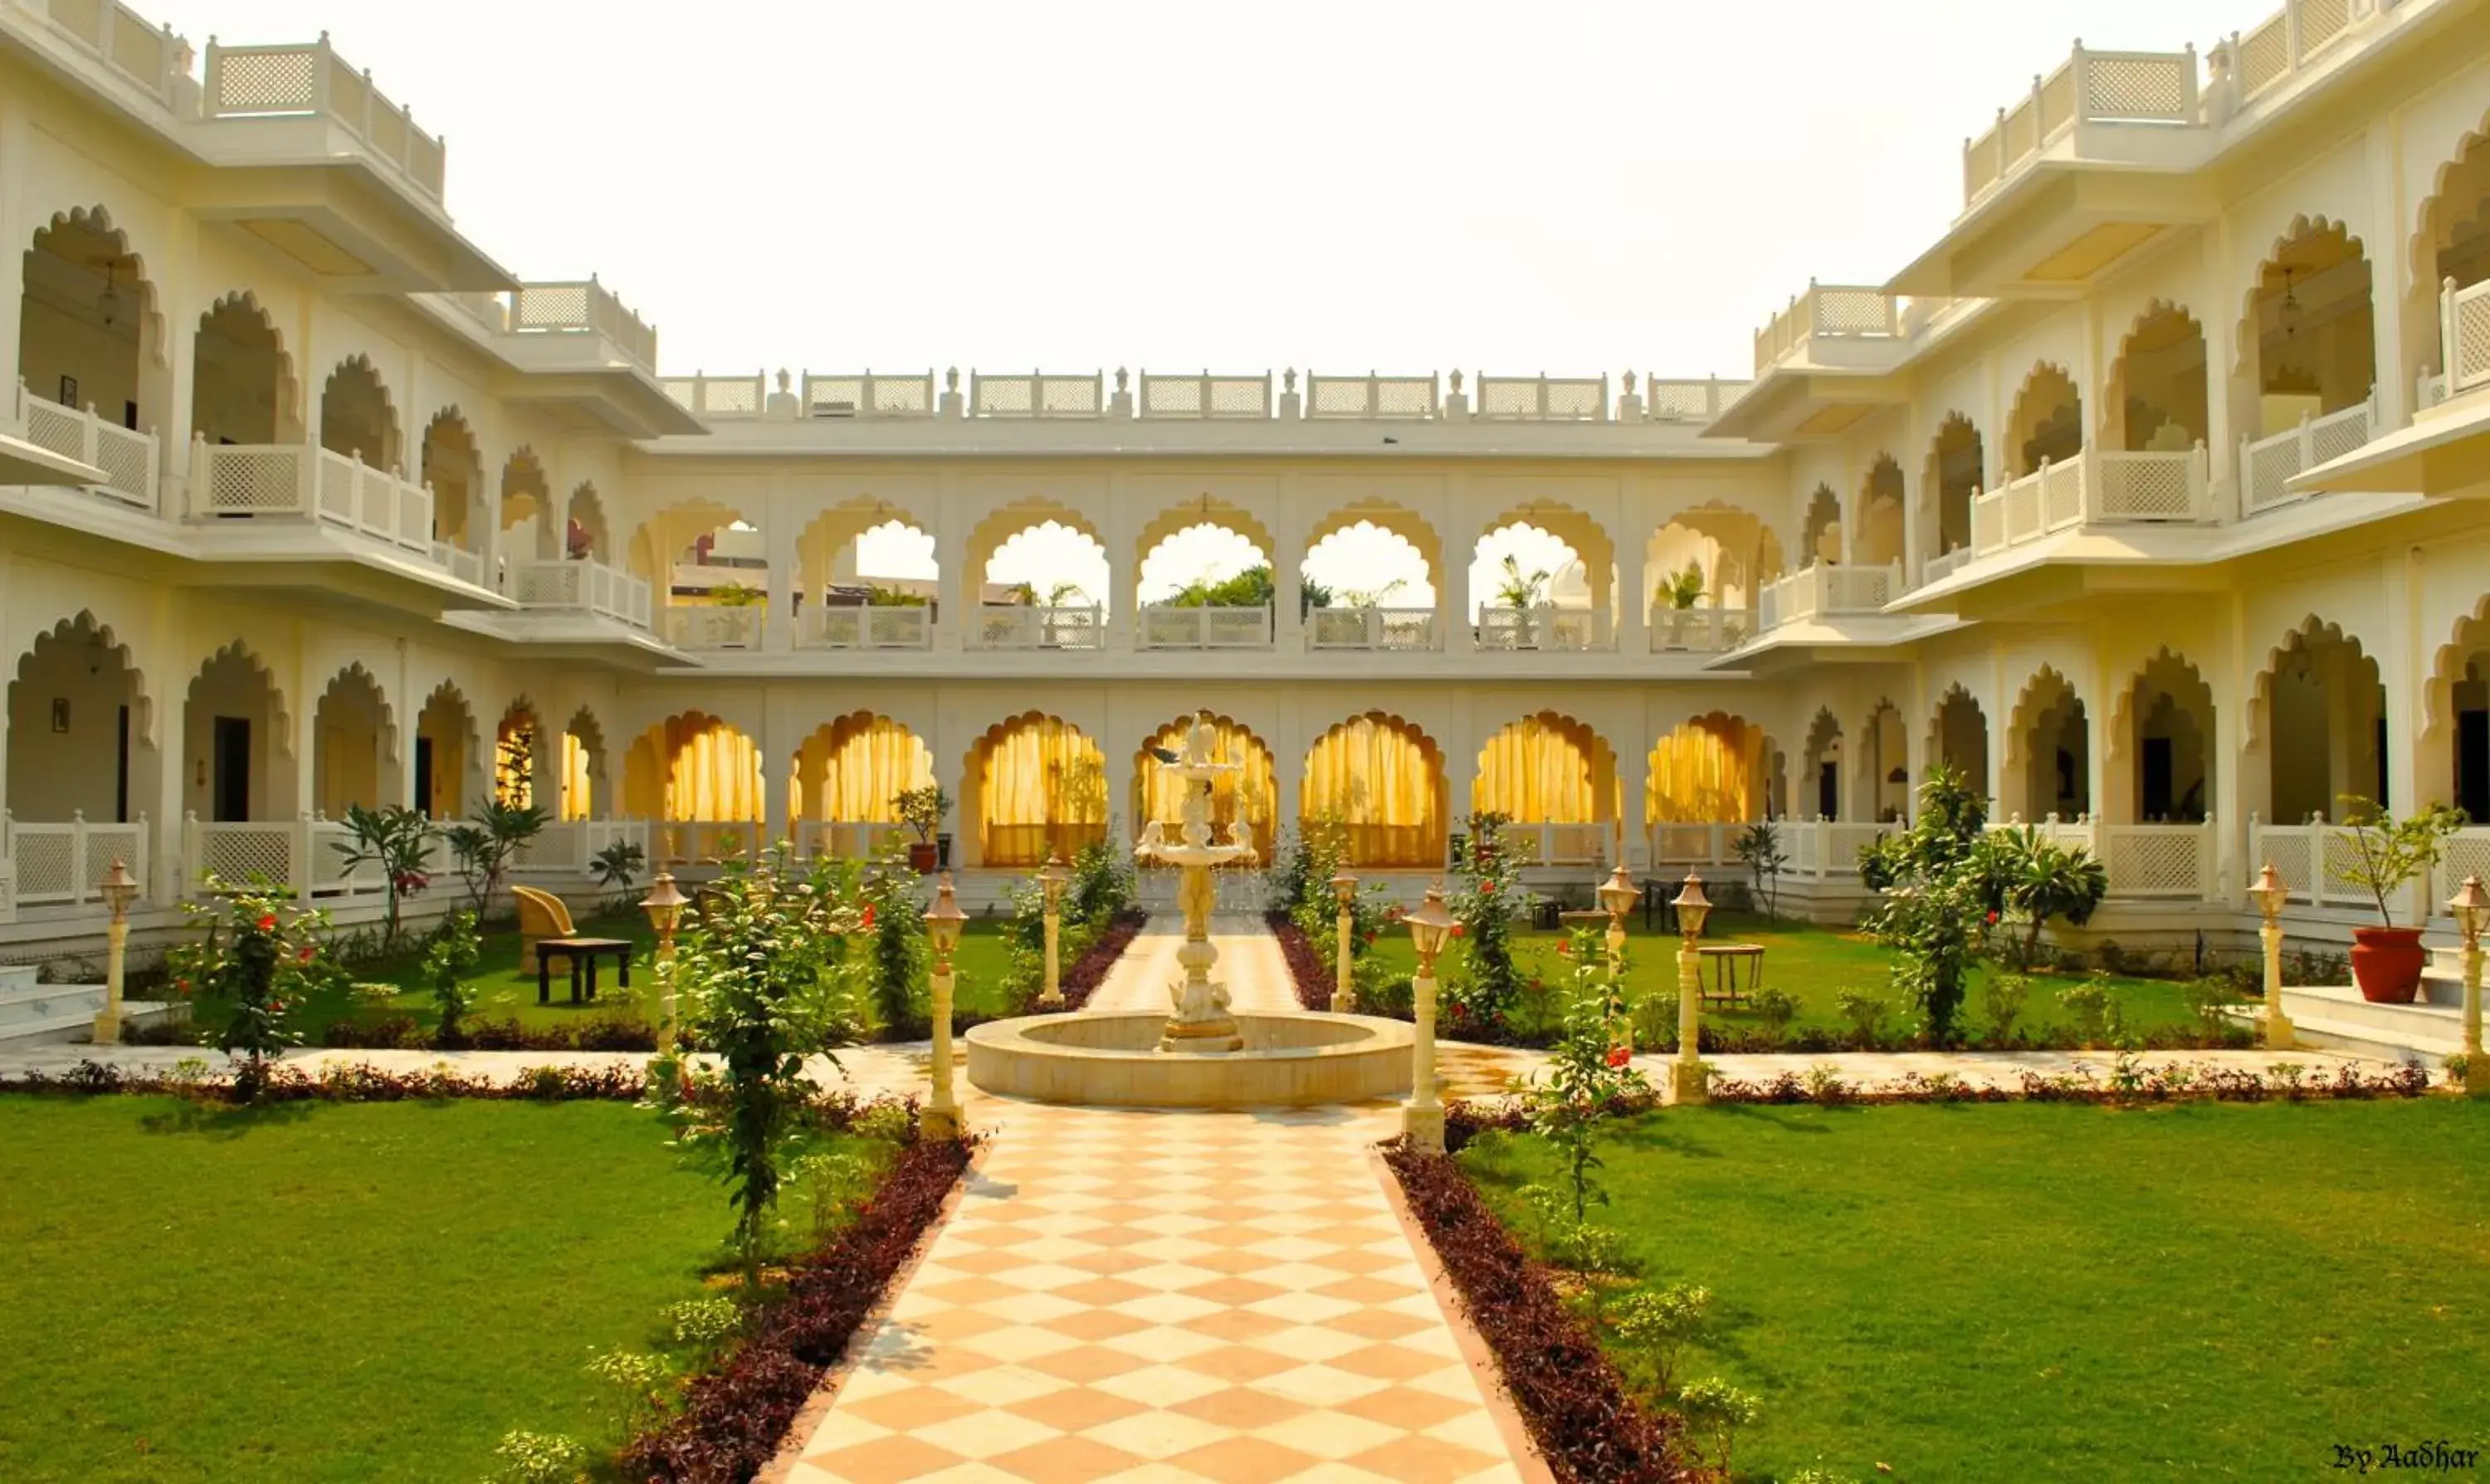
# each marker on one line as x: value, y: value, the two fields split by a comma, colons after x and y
x: 307, y: 951
x: 268, y: 922
x: 1486, y: 885
x: 1459, y: 930
x: 1564, y: 950
x: 1993, y: 917
x: 868, y: 915
x: 1618, y: 1056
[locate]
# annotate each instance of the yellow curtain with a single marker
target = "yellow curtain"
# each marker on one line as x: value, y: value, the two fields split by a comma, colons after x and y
x: 693, y: 767
x: 1252, y: 795
x: 515, y: 760
x: 1383, y: 788
x: 1546, y: 769
x: 578, y: 786
x: 1041, y: 787
x: 849, y: 772
x: 1709, y: 771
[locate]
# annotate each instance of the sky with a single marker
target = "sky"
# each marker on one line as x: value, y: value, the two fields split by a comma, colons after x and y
x: 1571, y: 187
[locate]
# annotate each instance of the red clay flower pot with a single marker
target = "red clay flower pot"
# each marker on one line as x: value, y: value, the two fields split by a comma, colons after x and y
x: 921, y: 856
x: 2387, y: 963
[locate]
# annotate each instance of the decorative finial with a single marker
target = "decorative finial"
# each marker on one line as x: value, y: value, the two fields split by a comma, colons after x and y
x: 951, y: 379
x: 1289, y: 380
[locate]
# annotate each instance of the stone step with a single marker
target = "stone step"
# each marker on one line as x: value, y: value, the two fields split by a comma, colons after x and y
x: 2342, y: 1003
x: 19, y: 975
x: 48, y: 1014
x: 2361, y: 1041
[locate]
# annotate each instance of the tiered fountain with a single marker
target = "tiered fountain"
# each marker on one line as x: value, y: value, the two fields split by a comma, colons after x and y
x: 1201, y: 1053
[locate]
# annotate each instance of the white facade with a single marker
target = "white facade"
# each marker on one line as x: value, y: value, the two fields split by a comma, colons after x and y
x: 2035, y: 507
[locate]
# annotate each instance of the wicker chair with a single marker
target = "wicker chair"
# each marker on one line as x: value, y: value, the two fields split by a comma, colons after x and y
x: 541, y: 914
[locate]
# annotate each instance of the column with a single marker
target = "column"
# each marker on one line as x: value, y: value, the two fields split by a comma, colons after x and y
x: 778, y: 535
x: 2221, y: 354
x: 2390, y: 277
x: 1631, y: 600
x: 1459, y: 543
x: 1634, y: 781
x: 17, y: 235
x: 956, y: 585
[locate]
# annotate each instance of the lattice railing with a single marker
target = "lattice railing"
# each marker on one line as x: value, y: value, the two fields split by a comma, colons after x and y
x: 1829, y: 310
x: 587, y: 586
x: 2464, y: 336
x: 62, y: 863
x: 1818, y: 848
x: 2268, y: 465
x: 129, y: 459
x: 1688, y: 402
x: 1371, y: 396
x: 1699, y: 630
x: 149, y: 57
x: 1036, y: 396
x: 858, y: 626
x: 250, y: 82
x: 718, y: 398
x: 1036, y: 627
x: 1544, y: 398
x: 583, y: 308
x: 2153, y: 486
x: 2147, y: 88
x: 1205, y: 628
x: 848, y: 839
x: 1371, y: 628
x: 708, y: 627
x: 1543, y: 628
x: 1207, y: 396
x: 1695, y: 844
x: 2050, y: 498
x: 868, y: 396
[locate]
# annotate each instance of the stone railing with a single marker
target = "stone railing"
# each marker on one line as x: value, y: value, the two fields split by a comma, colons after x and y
x: 867, y: 396
x: 1371, y: 628
x: 569, y: 847
x: 1819, y: 849
x: 584, y: 586
x: 1544, y: 398
x: 59, y: 864
x: 856, y: 626
x: 257, y: 82
x: 677, y: 843
x: 586, y: 308
x: 1826, y: 311
x: 2146, y: 485
x: 1680, y: 844
x: 2464, y: 343
x: 1823, y: 588
x: 2048, y: 499
x: 1687, y: 401
x: 1543, y: 628
x: 152, y: 58
x: 300, y: 854
x: 1036, y: 627
x: 2268, y: 465
x: 1205, y: 628
x: 129, y: 459
x: 300, y: 481
x: 2313, y: 859
x: 1700, y: 631
x: 466, y: 565
x: 1036, y: 395
x: 717, y: 626
x: 1206, y: 397
x: 848, y: 839
x: 2111, y: 87
x: 1542, y: 843
x: 2143, y: 861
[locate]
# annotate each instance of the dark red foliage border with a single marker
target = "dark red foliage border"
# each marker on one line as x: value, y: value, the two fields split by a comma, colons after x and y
x: 1308, y: 970
x: 354, y: 1083
x: 1588, y: 1427
x: 735, y: 1418
x: 1090, y: 970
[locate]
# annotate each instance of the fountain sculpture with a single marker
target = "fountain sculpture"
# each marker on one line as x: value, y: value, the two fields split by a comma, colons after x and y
x: 1201, y: 1021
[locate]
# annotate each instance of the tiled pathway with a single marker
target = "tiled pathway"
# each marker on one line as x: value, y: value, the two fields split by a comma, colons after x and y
x: 1250, y: 962
x: 1165, y: 1297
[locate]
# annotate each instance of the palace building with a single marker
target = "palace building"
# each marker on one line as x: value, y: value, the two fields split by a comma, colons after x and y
x: 2151, y: 494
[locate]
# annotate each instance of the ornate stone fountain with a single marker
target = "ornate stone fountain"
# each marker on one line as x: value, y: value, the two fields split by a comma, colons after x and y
x: 1201, y: 1021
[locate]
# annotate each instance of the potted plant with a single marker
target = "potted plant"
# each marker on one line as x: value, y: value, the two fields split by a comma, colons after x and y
x: 2386, y: 854
x: 921, y: 809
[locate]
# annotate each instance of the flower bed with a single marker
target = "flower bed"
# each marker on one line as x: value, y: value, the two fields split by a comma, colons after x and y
x: 350, y: 1084
x: 1310, y: 971
x: 735, y: 1419
x: 1587, y: 1425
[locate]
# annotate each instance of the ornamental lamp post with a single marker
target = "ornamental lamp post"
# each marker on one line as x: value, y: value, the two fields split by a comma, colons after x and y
x: 1685, y: 1074
x: 1052, y: 877
x: 1344, y: 993
x: 2269, y: 893
x: 1617, y: 895
x: 118, y: 888
x: 943, y: 922
x: 2470, y: 906
x: 1422, y: 1121
x: 664, y: 904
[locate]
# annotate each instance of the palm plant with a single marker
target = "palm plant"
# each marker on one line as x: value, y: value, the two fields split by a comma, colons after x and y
x: 399, y: 841
x: 1684, y: 589
x: 2040, y: 879
x: 1518, y: 589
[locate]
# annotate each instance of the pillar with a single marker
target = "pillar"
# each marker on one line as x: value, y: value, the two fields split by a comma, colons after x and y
x: 778, y: 633
x: 2390, y: 268
x: 1631, y: 600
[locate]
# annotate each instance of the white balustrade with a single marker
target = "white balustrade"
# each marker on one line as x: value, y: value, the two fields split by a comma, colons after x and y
x: 867, y: 396
x: 466, y: 565
x: 582, y: 307
x: 2267, y: 465
x: 1205, y: 628
x: 865, y: 626
x: 2147, y: 88
x: 1822, y: 588
x: 1206, y: 397
x: 1544, y: 398
x: 301, y: 854
x: 1821, y: 849
x: 2047, y: 500
x: 1676, y: 843
x: 1829, y: 311
x: 59, y: 864
x: 1700, y: 631
x: 718, y: 398
x: 1543, y: 628
x: 1371, y: 628
x: 257, y: 481
x: 257, y: 82
x: 588, y: 586
x: 152, y: 57
x: 2149, y: 485
x: 716, y: 626
x: 1371, y: 398
x: 2464, y: 342
x: 1036, y: 395
x: 1666, y: 401
x: 2313, y: 860
x: 848, y: 839
x: 1038, y: 626
x: 681, y: 842
x: 129, y: 459
x: 1543, y: 843
x: 570, y: 847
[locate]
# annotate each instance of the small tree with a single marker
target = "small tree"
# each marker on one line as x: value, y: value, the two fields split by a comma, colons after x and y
x: 902, y: 956
x: 617, y: 864
x: 484, y: 847
x: 1589, y: 1073
x: 2040, y: 879
x: 448, y: 964
x: 1684, y: 589
x: 1490, y: 985
x: 1938, y: 898
x: 1518, y: 589
x: 1760, y: 851
x: 399, y: 842
x: 2387, y: 852
x: 921, y: 809
x: 260, y: 956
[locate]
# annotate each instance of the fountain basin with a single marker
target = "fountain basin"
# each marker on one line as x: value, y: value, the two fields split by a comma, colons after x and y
x: 1106, y: 1059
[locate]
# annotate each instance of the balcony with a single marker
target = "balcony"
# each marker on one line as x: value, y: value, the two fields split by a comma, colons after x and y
x: 1828, y: 324
x: 2268, y: 465
x: 1543, y: 628
x: 2463, y: 344
x: 2151, y: 89
x: 590, y: 589
x: 562, y: 326
x: 1038, y: 626
x: 1205, y: 628
x: 129, y: 459
x: 255, y: 481
x: 2145, y: 863
x: 313, y: 83
x: 1700, y: 631
x: 1822, y: 590
x: 1405, y: 630
x: 2098, y: 487
x: 859, y: 628
x: 716, y: 627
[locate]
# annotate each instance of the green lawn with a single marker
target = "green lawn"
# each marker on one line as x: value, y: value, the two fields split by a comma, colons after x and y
x: 502, y: 993
x: 1812, y: 964
x: 2049, y: 1292
x: 316, y: 1291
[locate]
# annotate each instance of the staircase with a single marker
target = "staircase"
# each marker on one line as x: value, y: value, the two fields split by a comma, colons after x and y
x: 33, y: 1014
x: 2336, y: 1018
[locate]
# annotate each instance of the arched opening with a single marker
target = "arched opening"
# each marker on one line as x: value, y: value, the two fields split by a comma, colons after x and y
x: 1249, y: 798
x: 351, y: 745
x: 79, y: 731
x: 866, y: 578
x: 456, y: 470
x: 1878, y: 540
x: 711, y: 564
x: 1823, y: 757
x: 700, y: 776
x: 1713, y: 769
x: 1379, y: 784
x: 2311, y: 328
x: 516, y: 766
x: 1374, y: 557
x: 1709, y: 558
x: 2157, y: 385
x: 88, y: 335
x: 2325, y: 726
x: 357, y: 417
x: 2451, y: 247
x: 1207, y: 565
x: 2047, y: 422
x: 849, y: 777
x: 1957, y: 464
x: 1884, y: 762
x: 1556, y: 780
x: 1037, y: 577
x: 1541, y: 578
x: 2049, y: 751
x: 1820, y: 541
x: 583, y: 767
x: 2171, y: 715
x: 1037, y: 786
x: 242, y: 381
x: 233, y: 728
x: 445, y: 742
x: 526, y: 507
x: 1959, y: 739
x: 585, y: 536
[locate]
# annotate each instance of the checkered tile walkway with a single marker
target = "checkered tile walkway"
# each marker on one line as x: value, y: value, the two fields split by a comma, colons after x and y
x: 1174, y: 1297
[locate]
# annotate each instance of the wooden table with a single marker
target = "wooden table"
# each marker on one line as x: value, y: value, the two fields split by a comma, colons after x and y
x: 574, y: 953
x: 1724, y: 959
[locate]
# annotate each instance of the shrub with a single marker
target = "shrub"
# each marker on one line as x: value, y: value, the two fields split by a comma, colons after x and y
x: 2039, y: 879
x: 639, y: 1382
x: 1865, y: 1013
x: 903, y: 955
x: 617, y: 864
x: 1939, y: 896
x: 1716, y: 1410
x: 399, y: 841
x: 1588, y: 1073
x: 1483, y: 995
x: 2003, y: 997
x: 259, y: 957
x: 1776, y: 1008
x: 1760, y: 851
x: 539, y: 1458
x: 1654, y: 1020
x: 1659, y: 1325
x: 448, y: 959
x: 2093, y: 1005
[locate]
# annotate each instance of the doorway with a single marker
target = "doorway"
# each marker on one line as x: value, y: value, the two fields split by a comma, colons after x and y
x: 230, y: 801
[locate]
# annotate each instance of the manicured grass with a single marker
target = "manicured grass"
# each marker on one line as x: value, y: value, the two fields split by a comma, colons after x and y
x: 1812, y: 964
x: 2046, y: 1292
x: 316, y: 1291
x: 504, y: 993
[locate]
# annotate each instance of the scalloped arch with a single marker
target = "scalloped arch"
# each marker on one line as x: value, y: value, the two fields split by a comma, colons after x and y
x: 1207, y: 511
x: 98, y: 220
x: 2039, y: 696
x: 2303, y: 228
x: 1383, y: 515
x: 142, y: 705
x: 354, y: 672
x: 240, y: 649
x: 2422, y: 242
x: 2297, y: 639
